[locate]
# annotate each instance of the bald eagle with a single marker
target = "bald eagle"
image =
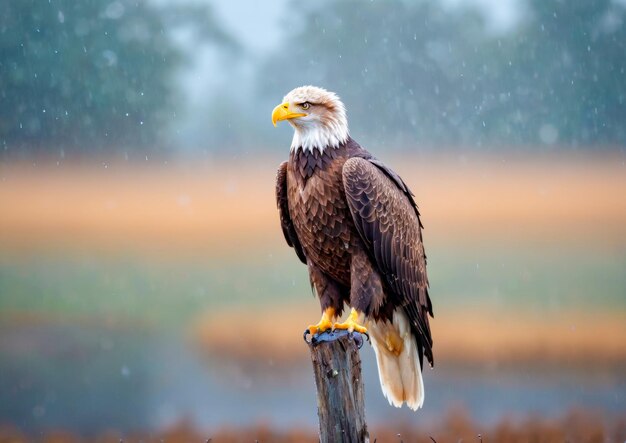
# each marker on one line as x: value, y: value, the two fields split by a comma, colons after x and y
x: 353, y: 221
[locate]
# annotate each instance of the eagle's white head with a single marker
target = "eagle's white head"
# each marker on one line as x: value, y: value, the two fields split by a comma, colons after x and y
x: 317, y: 115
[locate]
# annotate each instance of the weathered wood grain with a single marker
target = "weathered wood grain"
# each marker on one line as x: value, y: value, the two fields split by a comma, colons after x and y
x: 340, y: 399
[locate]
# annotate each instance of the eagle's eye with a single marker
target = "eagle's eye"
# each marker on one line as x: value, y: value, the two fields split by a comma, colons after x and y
x: 306, y: 105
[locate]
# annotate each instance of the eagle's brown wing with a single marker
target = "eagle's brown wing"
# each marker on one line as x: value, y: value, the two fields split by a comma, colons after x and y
x: 283, y: 209
x: 387, y: 219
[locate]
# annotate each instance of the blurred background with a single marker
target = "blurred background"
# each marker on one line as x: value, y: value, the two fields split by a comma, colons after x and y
x: 146, y: 289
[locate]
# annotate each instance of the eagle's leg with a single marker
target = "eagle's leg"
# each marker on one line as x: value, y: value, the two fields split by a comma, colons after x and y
x: 352, y: 323
x: 325, y: 323
x: 330, y: 295
x: 366, y: 292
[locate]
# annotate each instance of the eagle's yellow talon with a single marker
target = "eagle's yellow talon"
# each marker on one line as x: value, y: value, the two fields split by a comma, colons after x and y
x: 325, y: 322
x: 351, y: 324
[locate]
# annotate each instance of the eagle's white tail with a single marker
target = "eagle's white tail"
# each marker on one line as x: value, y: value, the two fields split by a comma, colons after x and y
x: 398, y: 363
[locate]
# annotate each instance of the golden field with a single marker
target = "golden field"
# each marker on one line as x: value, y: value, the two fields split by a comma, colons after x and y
x: 214, y: 206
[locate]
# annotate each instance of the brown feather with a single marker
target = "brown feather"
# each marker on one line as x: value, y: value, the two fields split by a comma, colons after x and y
x: 396, y: 245
x: 356, y: 225
x: 283, y: 210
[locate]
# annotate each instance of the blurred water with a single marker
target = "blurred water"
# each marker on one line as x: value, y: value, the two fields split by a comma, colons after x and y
x: 87, y: 381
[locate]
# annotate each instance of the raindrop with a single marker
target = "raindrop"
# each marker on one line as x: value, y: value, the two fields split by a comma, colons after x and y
x: 183, y: 200
x: 115, y: 10
x: 110, y: 57
x: 548, y: 134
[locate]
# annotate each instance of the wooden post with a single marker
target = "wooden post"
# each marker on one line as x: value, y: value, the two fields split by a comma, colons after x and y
x: 340, y: 400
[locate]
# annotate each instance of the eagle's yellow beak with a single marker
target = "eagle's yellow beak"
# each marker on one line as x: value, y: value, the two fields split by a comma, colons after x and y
x: 282, y: 112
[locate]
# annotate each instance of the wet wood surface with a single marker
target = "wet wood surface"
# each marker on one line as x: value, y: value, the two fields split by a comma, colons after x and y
x: 340, y: 399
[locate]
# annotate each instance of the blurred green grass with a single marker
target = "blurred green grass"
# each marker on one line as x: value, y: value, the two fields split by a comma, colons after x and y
x: 160, y: 292
x: 171, y: 292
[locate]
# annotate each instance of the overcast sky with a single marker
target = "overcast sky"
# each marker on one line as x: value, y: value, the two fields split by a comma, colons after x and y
x: 257, y: 24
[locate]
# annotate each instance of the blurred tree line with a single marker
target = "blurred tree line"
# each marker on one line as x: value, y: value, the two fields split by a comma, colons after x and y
x: 421, y: 73
x: 93, y: 74
x: 101, y: 73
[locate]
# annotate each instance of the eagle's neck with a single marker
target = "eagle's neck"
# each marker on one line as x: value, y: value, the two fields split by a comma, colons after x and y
x: 308, y: 162
x: 320, y: 137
